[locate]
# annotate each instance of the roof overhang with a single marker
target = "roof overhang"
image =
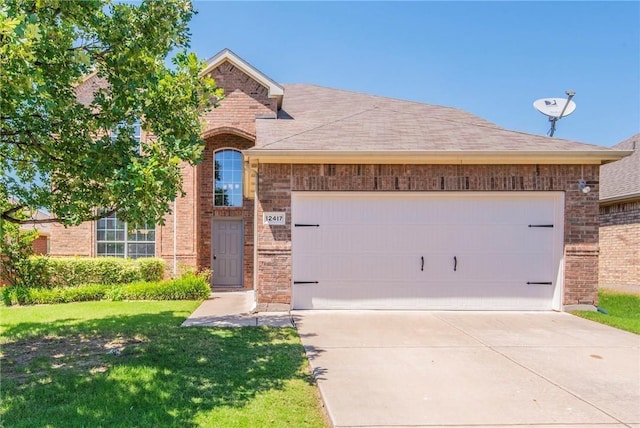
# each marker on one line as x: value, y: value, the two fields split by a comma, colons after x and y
x: 620, y: 199
x: 595, y: 157
x: 274, y: 90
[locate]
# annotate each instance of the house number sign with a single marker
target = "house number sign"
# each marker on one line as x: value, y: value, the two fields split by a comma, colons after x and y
x: 274, y: 218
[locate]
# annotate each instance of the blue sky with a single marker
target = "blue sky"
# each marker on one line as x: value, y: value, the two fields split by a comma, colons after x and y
x: 492, y: 59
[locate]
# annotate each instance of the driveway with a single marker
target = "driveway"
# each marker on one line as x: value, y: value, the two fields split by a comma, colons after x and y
x: 385, y: 368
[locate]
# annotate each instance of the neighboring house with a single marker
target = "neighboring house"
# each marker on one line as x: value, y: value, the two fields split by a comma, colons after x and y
x: 620, y: 218
x: 41, y: 244
x: 324, y: 198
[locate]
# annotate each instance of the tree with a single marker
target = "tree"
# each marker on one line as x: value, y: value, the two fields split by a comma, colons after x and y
x: 15, y: 250
x: 57, y: 149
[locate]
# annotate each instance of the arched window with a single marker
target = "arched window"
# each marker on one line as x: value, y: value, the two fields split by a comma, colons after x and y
x: 227, y: 167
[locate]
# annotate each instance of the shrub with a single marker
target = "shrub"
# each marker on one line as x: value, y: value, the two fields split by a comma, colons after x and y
x: 151, y: 269
x: 187, y: 287
x: 74, y: 271
x: 19, y: 295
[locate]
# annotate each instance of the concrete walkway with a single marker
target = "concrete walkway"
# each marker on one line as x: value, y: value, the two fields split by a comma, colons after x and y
x: 480, y: 369
x: 234, y: 309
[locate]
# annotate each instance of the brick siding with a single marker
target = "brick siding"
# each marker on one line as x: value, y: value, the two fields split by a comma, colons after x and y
x: 244, y: 100
x: 232, y: 125
x: 620, y: 244
x: 73, y: 241
x: 187, y: 227
x: 41, y: 245
x: 207, y: 212
x: 581, y: 210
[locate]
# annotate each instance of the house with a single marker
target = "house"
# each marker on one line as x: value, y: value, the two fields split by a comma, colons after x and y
x: 620, y: 218
x: 40, y: 245
x: 324, y: 198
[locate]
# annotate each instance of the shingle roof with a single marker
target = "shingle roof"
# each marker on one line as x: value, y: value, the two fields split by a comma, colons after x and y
x: 318, y: 118
x: 621, y: 179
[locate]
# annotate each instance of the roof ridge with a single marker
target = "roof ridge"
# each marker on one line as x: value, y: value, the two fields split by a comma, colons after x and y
x: 419, y: 103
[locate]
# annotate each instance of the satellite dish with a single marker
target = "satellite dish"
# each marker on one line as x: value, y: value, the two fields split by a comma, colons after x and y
x: 555, y: 108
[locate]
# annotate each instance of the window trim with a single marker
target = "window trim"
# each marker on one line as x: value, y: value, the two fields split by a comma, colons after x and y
x: 126, y: 242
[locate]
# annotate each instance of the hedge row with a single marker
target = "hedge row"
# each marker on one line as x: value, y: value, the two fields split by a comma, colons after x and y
x: 51, y: 272
x: 187, y: 287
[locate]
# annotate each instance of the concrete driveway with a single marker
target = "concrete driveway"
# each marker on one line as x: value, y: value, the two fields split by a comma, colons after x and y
x: 383, y: 368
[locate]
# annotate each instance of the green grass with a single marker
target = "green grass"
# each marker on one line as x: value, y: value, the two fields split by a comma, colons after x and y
x: 130, y: 364
x: 623, y: 311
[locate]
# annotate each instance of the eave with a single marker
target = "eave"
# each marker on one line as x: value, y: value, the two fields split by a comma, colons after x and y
x: 620, y: 199
x: 595, y: 157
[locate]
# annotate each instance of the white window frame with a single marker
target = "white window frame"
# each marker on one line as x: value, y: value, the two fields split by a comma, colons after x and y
x: 237, y: 186
x: 127, y: 240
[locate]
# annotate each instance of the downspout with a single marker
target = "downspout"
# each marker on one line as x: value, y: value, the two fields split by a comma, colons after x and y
x: 175, y: 237
x: 255, y: 242
x: 254, y: 172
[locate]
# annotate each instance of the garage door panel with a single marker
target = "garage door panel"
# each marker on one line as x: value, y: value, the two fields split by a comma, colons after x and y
x: 368, y: 250
x: 517, y: 268
x: 388, y: 267
x: 438, y: 296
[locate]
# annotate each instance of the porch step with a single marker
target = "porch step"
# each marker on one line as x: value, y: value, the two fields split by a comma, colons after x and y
x: 227, y: 288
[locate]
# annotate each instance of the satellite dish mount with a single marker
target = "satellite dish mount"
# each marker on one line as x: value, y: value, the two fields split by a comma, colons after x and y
x: 556, y: 108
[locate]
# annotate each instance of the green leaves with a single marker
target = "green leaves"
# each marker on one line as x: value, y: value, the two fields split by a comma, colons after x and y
x: 74, y: 71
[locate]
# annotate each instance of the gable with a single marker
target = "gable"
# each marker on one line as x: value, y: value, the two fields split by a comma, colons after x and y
x: 237, y: 67
x: 233, y: 79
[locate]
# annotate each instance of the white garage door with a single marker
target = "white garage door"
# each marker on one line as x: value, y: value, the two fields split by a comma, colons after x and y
x: 460, y: 251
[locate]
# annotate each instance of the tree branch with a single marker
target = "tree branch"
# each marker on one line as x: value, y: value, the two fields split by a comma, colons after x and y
x: 6, y: 215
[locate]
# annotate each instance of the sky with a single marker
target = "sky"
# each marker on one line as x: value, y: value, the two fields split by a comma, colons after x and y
x: 492, y: 59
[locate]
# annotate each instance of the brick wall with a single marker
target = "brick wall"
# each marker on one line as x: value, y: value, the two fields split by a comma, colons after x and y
x: 41, y: 245
x: 187, y: 226
x: 581, y: 210
x: 274, y: 242
x: 244, y: 100
x: 231, y: 125
x: 73, y: 241
x: 207, y: 212
x: 620, y: 244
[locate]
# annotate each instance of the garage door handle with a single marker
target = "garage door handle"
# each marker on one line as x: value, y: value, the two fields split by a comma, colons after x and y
x: 455, y: 263
x: 422, y: 263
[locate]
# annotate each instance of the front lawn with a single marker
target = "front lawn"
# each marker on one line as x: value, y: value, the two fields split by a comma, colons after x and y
x: 623, y: 311
x: 130, y: 364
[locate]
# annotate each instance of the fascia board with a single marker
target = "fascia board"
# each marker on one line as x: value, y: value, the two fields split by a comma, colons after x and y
x: 434, y: 157
x: 621, y: 198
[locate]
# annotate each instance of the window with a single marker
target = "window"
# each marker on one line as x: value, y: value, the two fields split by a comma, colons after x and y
x: 114, y: 240
x: 228, y: 175
x: 136, y: 133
